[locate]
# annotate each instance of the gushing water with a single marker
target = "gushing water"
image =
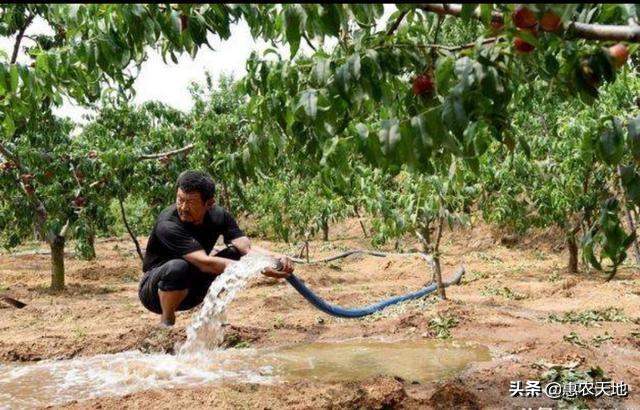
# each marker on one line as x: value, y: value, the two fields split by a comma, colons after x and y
x: 206, y: 331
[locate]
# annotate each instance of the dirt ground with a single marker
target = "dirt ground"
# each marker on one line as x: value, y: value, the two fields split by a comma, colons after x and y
x: 507, y: 301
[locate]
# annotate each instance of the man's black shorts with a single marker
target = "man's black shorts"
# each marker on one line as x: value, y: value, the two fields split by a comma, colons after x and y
x: 178, y: 274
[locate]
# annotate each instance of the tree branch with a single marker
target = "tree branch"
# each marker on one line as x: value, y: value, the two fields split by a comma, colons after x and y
x: 16, y: 46
x: 168, y: 153
x: 604, y: 32
x: 396, y: 23
x: 308, y: 42
x: 447, y: 48
x: 65, y: 228
x: 36, y: 203
x: 126, y: 224
x: 437, y: 247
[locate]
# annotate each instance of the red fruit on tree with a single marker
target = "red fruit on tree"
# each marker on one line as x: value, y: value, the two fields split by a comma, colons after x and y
x: 422, y: 84
x: 496, y: 26
x: 26, y: 178
x: 184, y: 22
x: 523, y: 17
x: 78, y: 202
x: 619, y: 53
x: 550, y: 21
x: 521, y: 45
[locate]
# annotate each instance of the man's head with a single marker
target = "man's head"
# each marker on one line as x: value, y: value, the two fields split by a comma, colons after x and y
x: 194, y: 196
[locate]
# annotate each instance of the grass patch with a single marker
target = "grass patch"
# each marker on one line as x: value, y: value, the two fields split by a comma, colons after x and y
x: 596, y: 341
x: 278, y: 322
x: 242, y: 345
x: 569, y: 373
x: 489, y: 258
x: 442, y: 325
x: 421, y: 305
x: 504, y: 292
x: 554, y: 277
x: 590, y: 317
x: 476, y: 275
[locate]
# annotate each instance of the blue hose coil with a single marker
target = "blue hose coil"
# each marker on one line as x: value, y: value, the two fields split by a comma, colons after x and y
x: 356, y: 312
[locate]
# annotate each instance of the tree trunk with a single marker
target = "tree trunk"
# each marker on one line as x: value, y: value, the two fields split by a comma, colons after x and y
x: 91, y: 242
x: 325, y: 230
x: 632, y: 228
x: 627, y: 212
x: 225, y: 197
x: 57, y: 262
x: 438, y: 274
x: 573, y: 254
x: 364, y: 231
x: 426, y: 247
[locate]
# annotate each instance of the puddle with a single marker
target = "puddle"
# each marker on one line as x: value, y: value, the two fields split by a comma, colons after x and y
x: 420, y: 361
x: 57, y: 382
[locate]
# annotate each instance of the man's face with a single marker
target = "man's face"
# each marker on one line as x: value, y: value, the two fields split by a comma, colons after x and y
x: 191, y: 208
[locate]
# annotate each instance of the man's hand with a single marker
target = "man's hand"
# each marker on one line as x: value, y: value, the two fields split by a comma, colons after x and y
x: 285, y: 272
x: 287, y: 263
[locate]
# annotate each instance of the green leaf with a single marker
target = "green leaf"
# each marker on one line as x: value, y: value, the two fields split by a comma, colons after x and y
x: 454, y: 116
x: 420, y: 128
x: 321, y: 72
x: 14, y: 76
x: 551, y: 64
x: 9, y: 126
x: 467, y: 11
x: 198, y: 29
x: 42, y: 62
x: 293, y: 21
x: 633, y: 135
x: 330, y: 19
x: 588, y: 251
x: 363, y: 130
x: 389, y: 135
x: 610, y: 146
x: 343, y: 80
x: 485, y: 13
x: 309, y: 101
x: 525, y: 145
x: 445, y: 74
x: 354, y: 66
x: 631, y: 182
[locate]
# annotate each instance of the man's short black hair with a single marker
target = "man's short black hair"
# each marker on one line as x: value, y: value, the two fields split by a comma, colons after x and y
x: 197, y: 181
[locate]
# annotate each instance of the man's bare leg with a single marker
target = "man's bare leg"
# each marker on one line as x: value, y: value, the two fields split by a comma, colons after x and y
x: 169, y: 302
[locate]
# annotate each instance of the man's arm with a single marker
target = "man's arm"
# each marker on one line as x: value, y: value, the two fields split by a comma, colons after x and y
x: 206, y: 263
x: 244, y: 246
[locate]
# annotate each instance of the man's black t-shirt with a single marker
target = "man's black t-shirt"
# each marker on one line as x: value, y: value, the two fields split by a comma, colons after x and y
x: 171, y: 238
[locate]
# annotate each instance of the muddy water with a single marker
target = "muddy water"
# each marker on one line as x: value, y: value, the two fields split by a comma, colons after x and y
x: 57, y: 382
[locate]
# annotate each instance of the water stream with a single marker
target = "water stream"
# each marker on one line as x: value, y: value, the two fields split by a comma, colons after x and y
x: 205, y: 331
x: 200, y: 363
